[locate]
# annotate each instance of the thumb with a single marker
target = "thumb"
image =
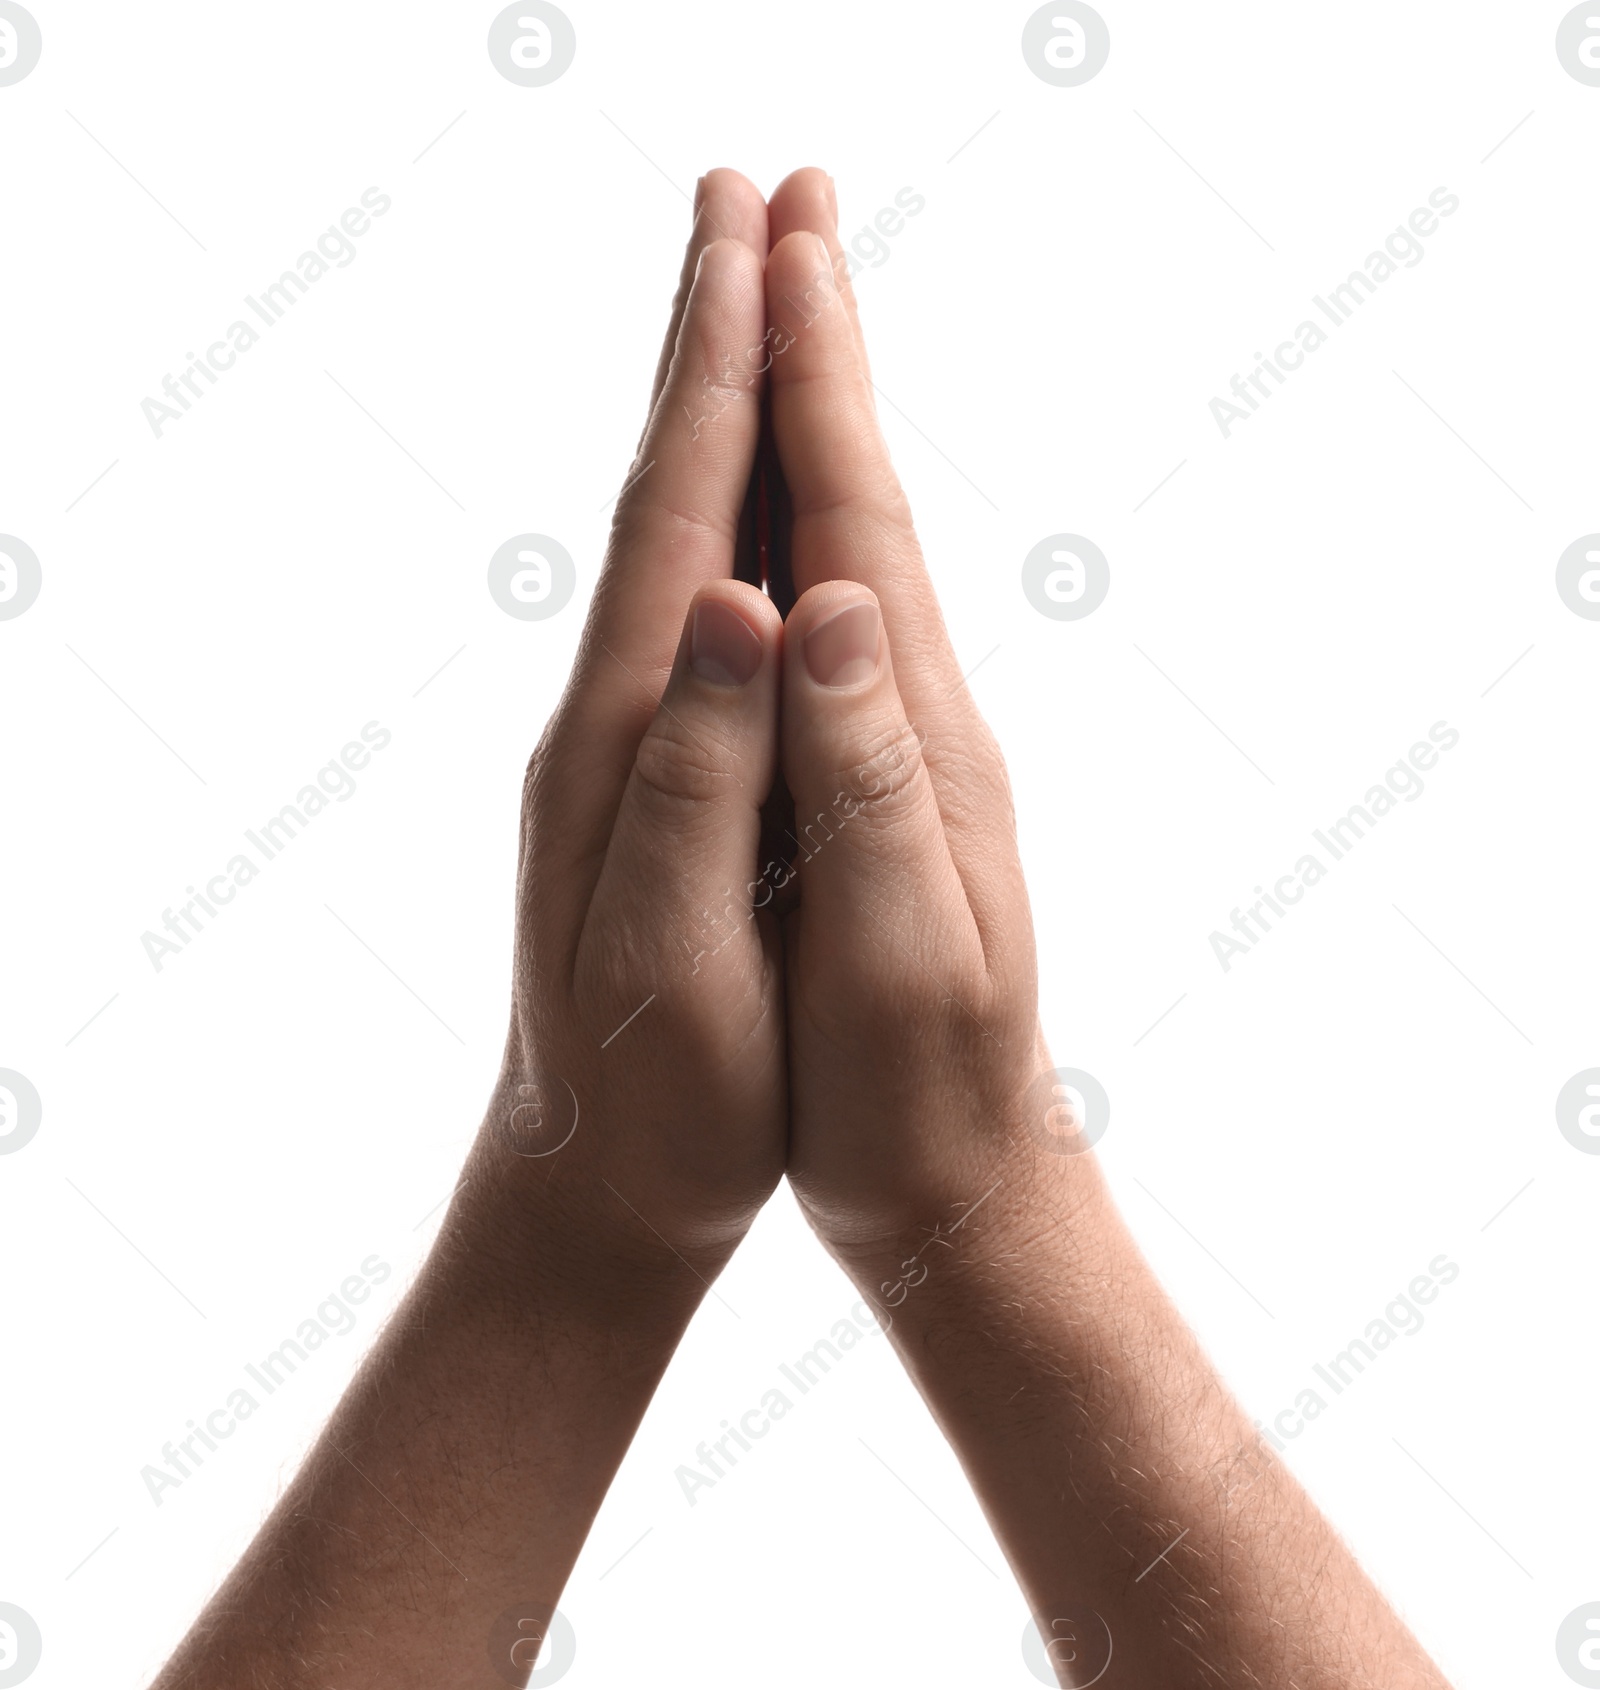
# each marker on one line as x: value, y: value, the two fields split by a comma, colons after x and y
x: 876, y: 875
x: 674, y: 890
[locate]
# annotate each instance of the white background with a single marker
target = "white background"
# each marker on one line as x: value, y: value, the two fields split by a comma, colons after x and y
x: 1298, y: 1137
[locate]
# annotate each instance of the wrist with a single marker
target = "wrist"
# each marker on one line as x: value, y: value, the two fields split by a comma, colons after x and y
x: 563, y: 1243
x: 999, y: 1150
x: 1029, y: 1226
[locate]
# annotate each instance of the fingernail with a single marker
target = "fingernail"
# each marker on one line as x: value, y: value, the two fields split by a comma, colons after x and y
x: 842, y: 649
x: 699, y: 194
x: 833, y: 200
x: 723, y: 647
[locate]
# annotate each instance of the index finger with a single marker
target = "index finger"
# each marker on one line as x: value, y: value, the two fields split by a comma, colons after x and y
x: 851, y: 517
x: 727, y: 206
x: 852, y: 522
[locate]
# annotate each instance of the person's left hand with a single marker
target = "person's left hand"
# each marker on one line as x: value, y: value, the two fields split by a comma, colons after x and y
x: 647, y: 998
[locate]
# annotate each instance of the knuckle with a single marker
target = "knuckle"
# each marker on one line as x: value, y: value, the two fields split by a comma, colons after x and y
x: 979, y: 788
x: 536, y: 776
x: 991, y: 768
x: 648, y: 514
x: 890, y: 774
x: 870, y: 493
x: 677, y: 769
x: 536, y: 783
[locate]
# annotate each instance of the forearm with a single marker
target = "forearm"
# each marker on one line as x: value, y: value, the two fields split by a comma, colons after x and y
x: 1118, y: 1473
x: 430, y: 1532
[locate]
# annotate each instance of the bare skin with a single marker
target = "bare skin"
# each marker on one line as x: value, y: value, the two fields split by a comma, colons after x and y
x: 1117, y: 1472
x: 876, y: 1037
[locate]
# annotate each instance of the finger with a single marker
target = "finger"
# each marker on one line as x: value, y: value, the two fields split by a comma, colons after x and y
x: 808, y: 199
x: 872, y: 859
x: 677, y: 517
x: 674, y: 531
x: 727, y: 207
x: 851, y: 519
x: 852, y: 522
x: 805, y: 200
x: 673, y: 902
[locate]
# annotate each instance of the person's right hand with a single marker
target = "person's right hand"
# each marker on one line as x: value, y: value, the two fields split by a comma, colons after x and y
x: 914, y: 1054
